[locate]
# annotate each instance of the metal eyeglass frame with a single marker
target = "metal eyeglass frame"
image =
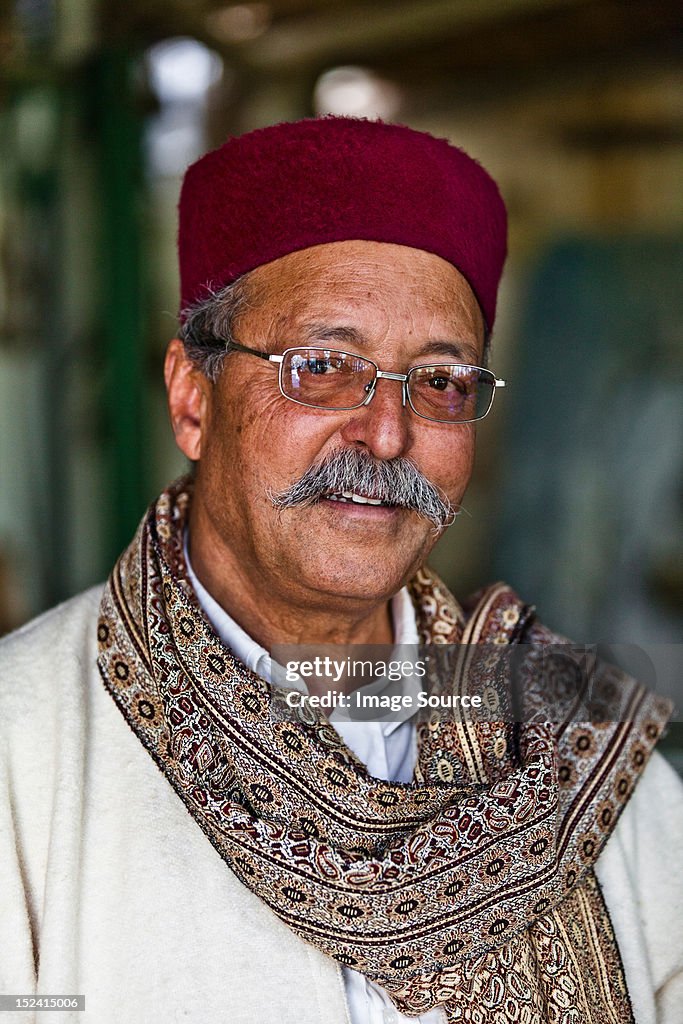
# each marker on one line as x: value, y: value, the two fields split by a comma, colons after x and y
x: 387, y: 374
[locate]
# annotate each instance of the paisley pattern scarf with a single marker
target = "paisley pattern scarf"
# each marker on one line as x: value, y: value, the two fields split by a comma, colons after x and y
x: 472, y: 887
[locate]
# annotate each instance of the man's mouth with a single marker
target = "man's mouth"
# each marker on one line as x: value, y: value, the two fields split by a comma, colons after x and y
x: 382, y: 490
x: 357, y: 499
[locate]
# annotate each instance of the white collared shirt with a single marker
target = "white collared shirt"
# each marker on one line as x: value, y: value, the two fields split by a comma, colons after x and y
x: 387, y: 749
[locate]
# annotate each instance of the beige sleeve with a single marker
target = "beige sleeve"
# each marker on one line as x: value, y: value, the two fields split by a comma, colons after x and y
x: 641, y: 874
x: 17, y: 962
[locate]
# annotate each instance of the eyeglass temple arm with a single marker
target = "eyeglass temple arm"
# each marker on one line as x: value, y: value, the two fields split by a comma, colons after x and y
x: 235, y: 345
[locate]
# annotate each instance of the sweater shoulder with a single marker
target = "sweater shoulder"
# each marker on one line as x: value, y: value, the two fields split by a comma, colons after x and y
x: 57, y: 644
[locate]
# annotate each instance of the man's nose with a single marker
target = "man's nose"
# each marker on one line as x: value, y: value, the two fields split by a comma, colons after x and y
x: 384, y: 426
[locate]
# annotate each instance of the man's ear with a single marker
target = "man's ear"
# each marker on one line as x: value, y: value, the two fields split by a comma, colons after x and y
x: 188, y: 392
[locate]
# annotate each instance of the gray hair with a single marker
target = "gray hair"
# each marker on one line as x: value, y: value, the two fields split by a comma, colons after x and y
x: 206, y: 327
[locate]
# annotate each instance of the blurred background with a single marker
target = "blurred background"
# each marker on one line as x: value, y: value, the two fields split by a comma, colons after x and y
x: 576, y: 108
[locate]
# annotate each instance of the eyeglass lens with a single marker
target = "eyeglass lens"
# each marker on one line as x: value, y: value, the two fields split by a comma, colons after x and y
x: 327, y: 379
x: 453, y: 393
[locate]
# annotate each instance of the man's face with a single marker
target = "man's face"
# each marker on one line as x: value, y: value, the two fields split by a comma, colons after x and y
x: 396, y: 305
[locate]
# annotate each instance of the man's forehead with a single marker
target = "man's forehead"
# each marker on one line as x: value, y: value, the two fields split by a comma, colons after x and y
x: 341, y: 272
x: 344, y: 292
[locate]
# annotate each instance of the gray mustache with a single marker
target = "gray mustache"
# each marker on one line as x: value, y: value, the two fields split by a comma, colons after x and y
x: 393, y: 481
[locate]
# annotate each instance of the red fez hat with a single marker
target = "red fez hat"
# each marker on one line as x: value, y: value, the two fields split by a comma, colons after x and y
x: 293, y: 185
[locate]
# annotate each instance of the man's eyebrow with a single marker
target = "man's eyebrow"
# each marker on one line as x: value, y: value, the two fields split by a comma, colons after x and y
x: 319, y: 331
x: 458, y: 350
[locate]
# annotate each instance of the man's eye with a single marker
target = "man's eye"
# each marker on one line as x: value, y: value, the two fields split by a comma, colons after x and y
x: 324, y: 366
x: 441, y: 383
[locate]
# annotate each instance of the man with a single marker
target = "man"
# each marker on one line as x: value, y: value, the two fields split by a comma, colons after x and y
x: 339, y: 283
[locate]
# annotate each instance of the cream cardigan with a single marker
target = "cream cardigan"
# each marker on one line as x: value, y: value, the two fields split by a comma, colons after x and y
x: 108, y: 888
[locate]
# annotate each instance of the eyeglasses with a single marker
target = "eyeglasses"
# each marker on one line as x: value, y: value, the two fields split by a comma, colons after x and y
x: 323, y: 378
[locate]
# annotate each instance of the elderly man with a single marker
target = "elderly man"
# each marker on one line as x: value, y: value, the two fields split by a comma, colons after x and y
x: 339, y: 284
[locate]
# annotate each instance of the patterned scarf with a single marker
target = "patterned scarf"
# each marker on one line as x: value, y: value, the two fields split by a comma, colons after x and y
x: 472, y: 887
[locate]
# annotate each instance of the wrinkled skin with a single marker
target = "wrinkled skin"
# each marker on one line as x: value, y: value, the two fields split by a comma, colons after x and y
x: 324, y: 573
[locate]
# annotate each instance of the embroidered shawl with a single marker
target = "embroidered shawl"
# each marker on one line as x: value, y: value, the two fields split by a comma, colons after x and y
x: 472, y: 887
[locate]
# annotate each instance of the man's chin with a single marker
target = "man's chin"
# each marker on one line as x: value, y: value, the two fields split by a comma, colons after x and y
x: 368, y: 577
x: 355, y: 552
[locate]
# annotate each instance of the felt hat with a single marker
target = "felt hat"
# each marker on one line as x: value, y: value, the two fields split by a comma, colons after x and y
x: 297, y: 184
